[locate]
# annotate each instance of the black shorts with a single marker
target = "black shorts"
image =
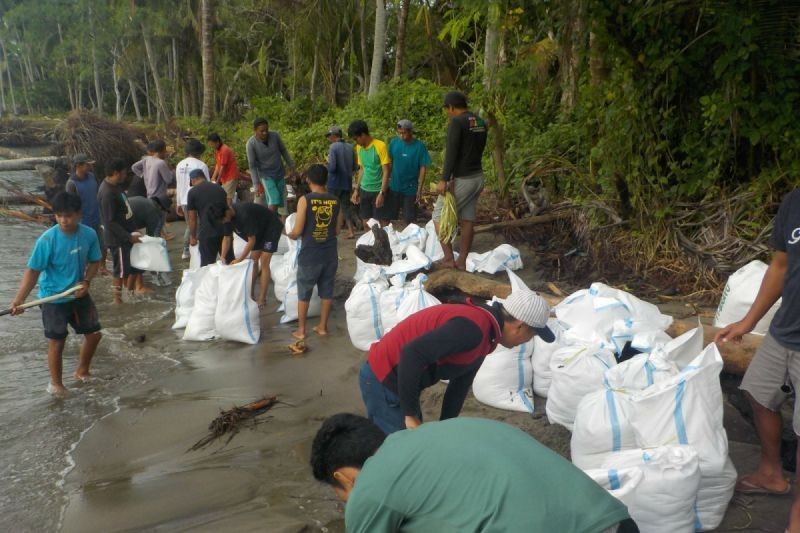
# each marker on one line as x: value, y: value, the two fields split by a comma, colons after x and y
x: 405, y: 202
x: 270, y: 242
x: 322, y: 274
x: 121, y: 257
x: 344, y: 196
x: 367, y: 209
x: 80, y: 313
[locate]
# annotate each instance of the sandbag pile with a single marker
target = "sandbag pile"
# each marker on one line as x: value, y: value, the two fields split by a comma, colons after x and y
x: 205, y: 316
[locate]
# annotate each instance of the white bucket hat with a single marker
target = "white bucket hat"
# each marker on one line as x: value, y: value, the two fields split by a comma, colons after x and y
x: 527, y: 306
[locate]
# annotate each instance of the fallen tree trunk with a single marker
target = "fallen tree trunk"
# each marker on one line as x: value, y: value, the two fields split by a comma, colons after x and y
x: 736, y: 357
x: 8, y: 153
x: 28, y: 163
x: 522, y: 222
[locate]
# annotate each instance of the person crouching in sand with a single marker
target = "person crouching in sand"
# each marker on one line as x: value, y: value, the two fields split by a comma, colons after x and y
x: 48, y: 265
x: 317, y: 223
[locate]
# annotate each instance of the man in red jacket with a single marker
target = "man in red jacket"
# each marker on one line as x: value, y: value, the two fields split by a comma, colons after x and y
x: 449, y: 342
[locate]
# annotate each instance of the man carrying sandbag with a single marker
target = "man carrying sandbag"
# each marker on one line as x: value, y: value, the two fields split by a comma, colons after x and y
x: 261, y: 228
x: 449, y: 342
x: 466, y: 474
x: 778, y: 356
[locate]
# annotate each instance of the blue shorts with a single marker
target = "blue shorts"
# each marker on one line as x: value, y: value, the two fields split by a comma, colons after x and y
x: 320, y: 273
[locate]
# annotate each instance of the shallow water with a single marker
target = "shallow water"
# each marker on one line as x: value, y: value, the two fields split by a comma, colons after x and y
x: 39, y: 431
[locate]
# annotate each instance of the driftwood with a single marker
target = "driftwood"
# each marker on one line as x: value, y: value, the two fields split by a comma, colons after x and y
x: 27, y: 163
x: 523, y: 222
x: 379, y: 253
x: 230, y: 421
x: 736, y: 357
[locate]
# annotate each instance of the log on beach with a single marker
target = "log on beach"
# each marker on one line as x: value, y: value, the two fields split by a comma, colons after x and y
x: 27, y: 163
x: 736, y: 357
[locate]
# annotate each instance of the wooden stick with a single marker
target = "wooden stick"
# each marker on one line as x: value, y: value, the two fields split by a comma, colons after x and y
x: 523, y: 222
x: 41, y: 301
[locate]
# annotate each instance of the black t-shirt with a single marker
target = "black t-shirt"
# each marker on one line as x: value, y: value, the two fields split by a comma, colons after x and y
x: 785, y: 327
x: 466, y: 139
x: 257, y: 220
x: 210, y: 202
x: 116, y: 214
x: 319, y: 231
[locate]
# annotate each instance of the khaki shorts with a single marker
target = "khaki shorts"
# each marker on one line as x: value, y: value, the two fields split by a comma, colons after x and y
x: 773, y: 367
x: 230, y: 188
x: 466, y: 191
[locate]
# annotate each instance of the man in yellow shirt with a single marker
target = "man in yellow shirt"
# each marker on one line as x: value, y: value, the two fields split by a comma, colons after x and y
x: 374, y: 169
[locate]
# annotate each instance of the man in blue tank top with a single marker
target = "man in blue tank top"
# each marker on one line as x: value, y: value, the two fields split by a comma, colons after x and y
x: 318, y: 224
x: 84, y: 183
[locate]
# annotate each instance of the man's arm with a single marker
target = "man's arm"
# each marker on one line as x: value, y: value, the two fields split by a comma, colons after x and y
x: 300, y: 219
x: 91, y: 271
x: 138, y: 168
x: 107, y: 216
x: 71, y: 187
x: 252, y: 162
x: 452, y: 145
x: 456, y: 335
x: 456, y: 393
x: 285, y: 154
x: 251, y: 242
x: 769, y: 292
x: 421, y: 182
x: 192, y: 227
x: 29, y: 280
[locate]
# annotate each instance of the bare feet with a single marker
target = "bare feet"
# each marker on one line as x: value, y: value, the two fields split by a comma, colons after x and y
x: 757, y: 484
x: 103, y: 271
x: 143, y: 290
x: 351, y: 235
x: 117, y: 300
x: 56, y: 390
x: 321, y: 332
x: 299, y: 335
x: 446, y: 264
x: 82, y: 376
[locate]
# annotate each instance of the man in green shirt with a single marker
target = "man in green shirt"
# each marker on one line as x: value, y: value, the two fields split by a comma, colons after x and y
x: 459, y: 475
x: 371, y: 187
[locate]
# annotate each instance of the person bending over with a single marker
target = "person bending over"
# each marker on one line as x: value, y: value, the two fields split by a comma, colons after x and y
x: 465, y: 475
x: 206, y: 205
x: 443, y: 342
x: 47, y: 266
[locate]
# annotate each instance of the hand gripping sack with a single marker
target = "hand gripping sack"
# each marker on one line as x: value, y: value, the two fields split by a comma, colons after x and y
x: 433, y: 248
x: 237, y: 317
x: 504, y: 379
x: 664, y: 499
x: 577, y: 371
x: 200, y: 326
x: 184, y: 296
x: 740, y: 293
x: 504, y: 257
x: 540, y: 360
x: 151, y: 254
x: 364, y: 312
x: 687, y: 409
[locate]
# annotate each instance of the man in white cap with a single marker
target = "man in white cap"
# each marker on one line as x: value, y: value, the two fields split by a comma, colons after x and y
x: 447, y: 341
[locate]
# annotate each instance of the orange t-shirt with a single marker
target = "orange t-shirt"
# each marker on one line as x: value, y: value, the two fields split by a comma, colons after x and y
x: 224, y: 156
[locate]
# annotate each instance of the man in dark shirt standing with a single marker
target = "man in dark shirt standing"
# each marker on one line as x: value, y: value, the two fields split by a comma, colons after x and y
x: 341, y: 167
x: 447, y: 341
x: 462, y: 173
x: 206, y: 205
x: 118, y: 222
x: 776, y: 358
x: 262, y: 229
x: 84, y: 183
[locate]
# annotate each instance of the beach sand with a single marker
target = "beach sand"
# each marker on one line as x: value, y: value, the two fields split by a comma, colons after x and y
x: 133, y: 471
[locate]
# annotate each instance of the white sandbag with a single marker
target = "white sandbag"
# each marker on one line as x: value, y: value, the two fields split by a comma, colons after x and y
x: 620, y: 483
x: 687, y: 409
x: 401, y: 240
x: 367, y: 239
x: 151, y: 254
x: 415, y: 259
x: 184, y: 296
x: 416, y: 298
x: 238, y: 244
x: 201, y: 324
x: 504, y: 379
x: 289, y: 305
x: 280, y: 274
x: 390, y: 300
x: 504, y: 257
x: 643, y: 335
x: 577, y: 371
x: 237, y: 318
x: 641, y: 371
x: 433, y: 248
x: 664, y: 499
x: 363, y: 312
x: 540, y: 360
x: 194, y: 257
x: 283, y: 244
x: 740, y: 293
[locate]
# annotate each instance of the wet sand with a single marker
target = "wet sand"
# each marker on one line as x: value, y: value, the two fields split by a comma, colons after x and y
x: 132, y: 469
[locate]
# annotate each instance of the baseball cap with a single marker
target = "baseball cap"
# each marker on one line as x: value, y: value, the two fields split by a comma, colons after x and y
x: 527, y: 306
x: 455, y: 99
x: 334, y: 130
x: 405, y: 124
x: 79, y: 159
x: 197, y: 173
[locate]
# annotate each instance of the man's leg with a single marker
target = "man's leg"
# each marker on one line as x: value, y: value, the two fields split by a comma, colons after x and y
x: 116, y: 289
x: 325, y: 285
x: 264, y: 278
x: 322, y: 327
x: 88, y: 347
x: 55, y: 350
x: 769, y: 426
x: 467, y: 233
x: 302, y: 316
x: 466, y: 192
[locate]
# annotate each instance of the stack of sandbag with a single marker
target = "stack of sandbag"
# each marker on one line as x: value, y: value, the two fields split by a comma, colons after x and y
x: 407, y: 251
x: 657, y: 485
x: 411, y: 235
x: 687, y: 409
x: 234, y: 317
x: 740, y: 293
x: 363, y: 310
x: 283, y: 270
x: 504, y: 380
x: 504, y: 257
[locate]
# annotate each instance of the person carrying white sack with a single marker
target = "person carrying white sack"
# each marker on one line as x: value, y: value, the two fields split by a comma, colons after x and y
x: 778, y: 357
x: 447, y: 341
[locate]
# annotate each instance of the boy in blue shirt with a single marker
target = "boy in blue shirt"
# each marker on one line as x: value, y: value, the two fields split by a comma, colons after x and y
x: 410, y: 161
x: 65, y: 255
